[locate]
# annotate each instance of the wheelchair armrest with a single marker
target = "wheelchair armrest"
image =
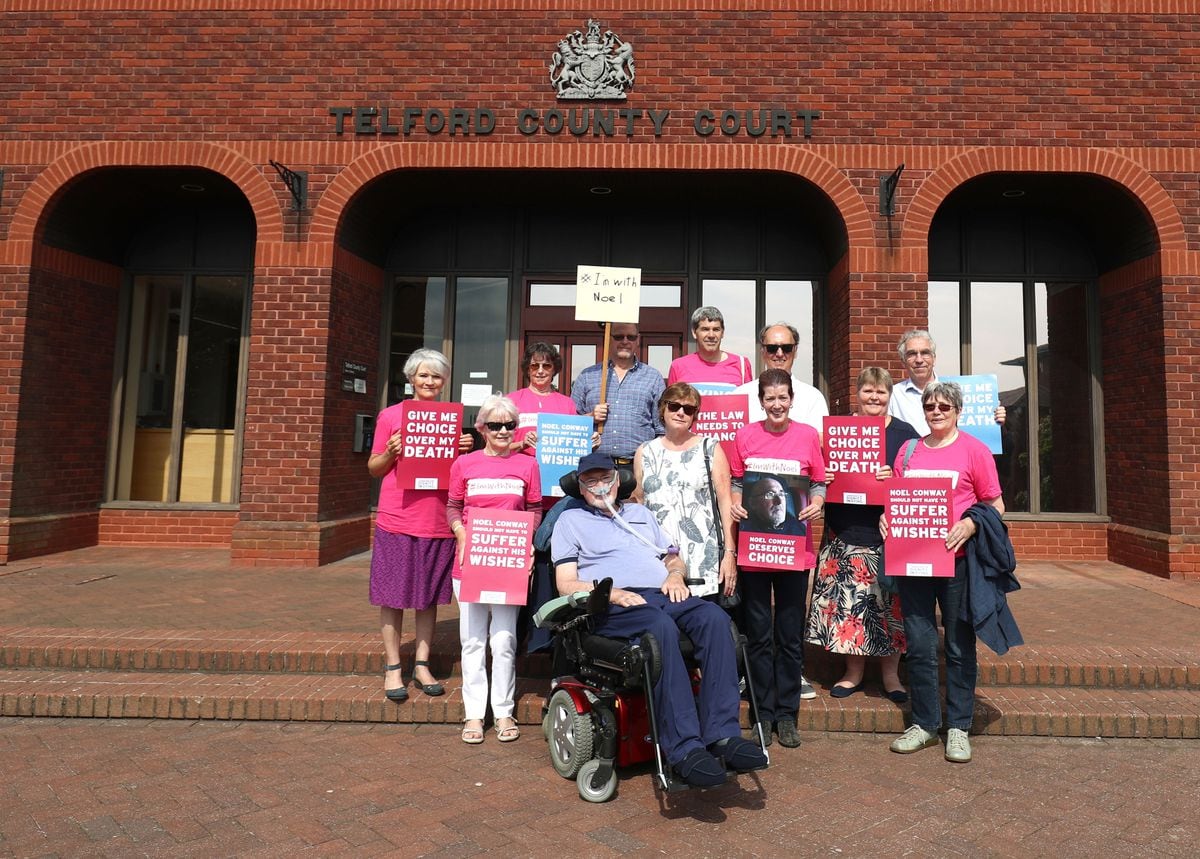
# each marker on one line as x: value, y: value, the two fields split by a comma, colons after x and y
x: 561, y: 609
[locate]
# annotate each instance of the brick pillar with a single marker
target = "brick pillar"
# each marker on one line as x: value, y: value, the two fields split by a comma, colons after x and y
x: 305, y: 496
x: 1181, y: 358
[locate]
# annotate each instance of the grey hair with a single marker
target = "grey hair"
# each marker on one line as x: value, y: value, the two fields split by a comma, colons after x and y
x: 435, y: 359
x: 494, y: 405
x: 792, y: 328
x: 913, y: 334
x: 948, y: 391
x: 709, y: 313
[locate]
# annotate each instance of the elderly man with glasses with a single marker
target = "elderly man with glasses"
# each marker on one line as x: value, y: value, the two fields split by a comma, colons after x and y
x: 919, y: 354
x: 779, y: 343
x: 629, y: 412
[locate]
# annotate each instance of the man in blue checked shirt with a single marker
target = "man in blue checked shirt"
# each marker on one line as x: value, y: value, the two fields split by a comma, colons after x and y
x: 630, y: 410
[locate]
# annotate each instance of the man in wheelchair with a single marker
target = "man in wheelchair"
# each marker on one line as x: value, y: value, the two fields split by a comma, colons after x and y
x: 699, y: 735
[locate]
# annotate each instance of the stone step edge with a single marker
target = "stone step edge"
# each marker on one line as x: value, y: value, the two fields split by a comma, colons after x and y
x: 1019, y: 711
x: 1138, y: 668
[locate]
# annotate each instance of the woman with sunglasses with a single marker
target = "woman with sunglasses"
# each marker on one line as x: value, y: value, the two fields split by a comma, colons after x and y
x: 674, y: 481
x: 850, y: 613
x: 782, y: 446
x: 944, y: 452
x: 494, y: 479
x: 540, y: 364
x: 413, y: 549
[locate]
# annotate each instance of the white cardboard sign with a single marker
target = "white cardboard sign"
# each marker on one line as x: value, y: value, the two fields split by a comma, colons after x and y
x: 607, y: 294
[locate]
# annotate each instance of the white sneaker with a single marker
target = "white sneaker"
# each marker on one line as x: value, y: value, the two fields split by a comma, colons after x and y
x: 913, y: 740
x: 958, y: 747
x: 807, y: 692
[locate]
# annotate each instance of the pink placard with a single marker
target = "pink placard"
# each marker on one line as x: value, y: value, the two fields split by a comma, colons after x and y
x: 918, y: 512
x: 764, y: 551
x: 496, y: 561
x: 430, y: 432
x: 854, y: 450
x: 720, y: 417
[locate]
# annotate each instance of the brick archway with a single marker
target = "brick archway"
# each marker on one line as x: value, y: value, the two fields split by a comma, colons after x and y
x: 228, y: 163
x: 934, y: 190
x: 785, y: 159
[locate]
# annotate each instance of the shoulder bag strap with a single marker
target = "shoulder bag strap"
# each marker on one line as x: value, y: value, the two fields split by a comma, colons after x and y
x: 712, y: 491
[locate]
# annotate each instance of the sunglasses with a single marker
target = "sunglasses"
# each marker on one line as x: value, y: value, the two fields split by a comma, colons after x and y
x: 540, y: 365
x: 629, y: 337
x: 937, y: 407
x: 688, y: 410
x: 775, y: 348
x: 496, y: 426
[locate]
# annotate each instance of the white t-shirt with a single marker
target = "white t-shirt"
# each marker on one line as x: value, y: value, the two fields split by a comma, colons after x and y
x: 808, y: 405
x: 906, y: 405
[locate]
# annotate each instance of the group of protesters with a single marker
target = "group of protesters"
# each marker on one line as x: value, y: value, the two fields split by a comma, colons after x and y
x: 697, y: 498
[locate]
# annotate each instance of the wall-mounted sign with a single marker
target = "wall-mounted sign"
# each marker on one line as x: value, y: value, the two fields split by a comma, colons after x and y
x: 354, y: 377
x: 387, y: 121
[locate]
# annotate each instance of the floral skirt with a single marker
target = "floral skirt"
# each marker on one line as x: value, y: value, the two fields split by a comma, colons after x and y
x: 849, y: 612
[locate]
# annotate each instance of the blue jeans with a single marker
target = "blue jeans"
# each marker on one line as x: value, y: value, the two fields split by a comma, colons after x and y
x: 917, y: 598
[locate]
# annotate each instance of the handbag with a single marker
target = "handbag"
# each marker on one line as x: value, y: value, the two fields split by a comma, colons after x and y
x: 722, y: 600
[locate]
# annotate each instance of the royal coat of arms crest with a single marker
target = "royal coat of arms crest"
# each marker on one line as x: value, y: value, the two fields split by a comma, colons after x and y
x: 592, y: 66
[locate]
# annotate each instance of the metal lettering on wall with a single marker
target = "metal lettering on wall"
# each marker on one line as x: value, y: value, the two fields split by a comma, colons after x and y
x: 578, y: 121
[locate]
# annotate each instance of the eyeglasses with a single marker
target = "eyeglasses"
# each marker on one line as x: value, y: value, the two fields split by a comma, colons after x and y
x: 688, y: 409
x: 773, y: 495
x: 541, y: 365
x: 496, y: 426
x: 913, y: 353
x: 629, y: 337
x: 939, y: 407
x: 775, y: 348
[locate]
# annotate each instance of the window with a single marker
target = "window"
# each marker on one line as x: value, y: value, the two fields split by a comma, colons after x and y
x: 1037, y: 337
x: 179, y: 434
x: 749, y: 305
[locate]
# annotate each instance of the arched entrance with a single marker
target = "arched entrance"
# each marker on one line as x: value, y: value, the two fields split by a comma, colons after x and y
x: 1050, y: 282
x: 141, y: 280
x: 478, y: 263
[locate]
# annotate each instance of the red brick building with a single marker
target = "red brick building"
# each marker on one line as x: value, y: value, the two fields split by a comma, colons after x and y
x: 185, y: 343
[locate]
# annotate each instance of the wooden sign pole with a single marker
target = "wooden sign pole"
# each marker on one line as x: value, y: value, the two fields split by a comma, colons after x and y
x: 604, y: 371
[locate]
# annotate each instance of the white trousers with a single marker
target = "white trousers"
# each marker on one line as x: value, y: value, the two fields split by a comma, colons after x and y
x: 481, y: 624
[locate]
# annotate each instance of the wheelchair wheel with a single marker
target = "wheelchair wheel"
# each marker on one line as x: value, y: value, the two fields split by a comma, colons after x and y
x: 584, y: 782
x: 571, y: 735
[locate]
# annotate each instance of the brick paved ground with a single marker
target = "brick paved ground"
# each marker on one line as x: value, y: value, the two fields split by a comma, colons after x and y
x: 1061, y: 604
x: 141, y: 787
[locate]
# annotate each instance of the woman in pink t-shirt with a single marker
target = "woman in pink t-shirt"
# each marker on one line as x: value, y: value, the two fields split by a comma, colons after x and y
x: 945, y: 452
x: 777, y: 448
x: 413, y: 548
x: 495, y: 479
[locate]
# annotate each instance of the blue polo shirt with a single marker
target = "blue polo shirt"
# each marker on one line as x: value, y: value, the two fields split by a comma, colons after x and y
x: 602, y: 548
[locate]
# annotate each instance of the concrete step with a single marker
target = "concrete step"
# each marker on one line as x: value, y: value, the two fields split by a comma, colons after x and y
x: 344, y: 653
x: 1014, y: 710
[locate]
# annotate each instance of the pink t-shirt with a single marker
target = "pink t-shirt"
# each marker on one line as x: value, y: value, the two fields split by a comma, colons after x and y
x: 415, y: 512
x: 966, y: 461
x: 710, y: 378
x: 495, y: 483
x: 531, y: 404
x: 796, y: 450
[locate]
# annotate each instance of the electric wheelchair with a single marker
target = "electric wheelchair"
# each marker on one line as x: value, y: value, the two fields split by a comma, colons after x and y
x: 599, y: 715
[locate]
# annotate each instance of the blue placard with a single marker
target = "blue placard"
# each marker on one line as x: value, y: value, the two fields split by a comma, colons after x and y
x: 561, y: 441
x: 981, y: 397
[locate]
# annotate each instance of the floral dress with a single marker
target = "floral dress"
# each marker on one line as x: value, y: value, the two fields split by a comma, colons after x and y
x: 850, y: 613
x: 675, y: 486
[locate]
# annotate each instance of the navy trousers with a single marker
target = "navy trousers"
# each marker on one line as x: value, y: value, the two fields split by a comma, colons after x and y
x: 775, y: 634
x: 684, y: 721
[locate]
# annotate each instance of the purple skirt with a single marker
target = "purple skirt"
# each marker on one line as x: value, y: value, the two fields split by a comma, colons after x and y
x: 411, y: 572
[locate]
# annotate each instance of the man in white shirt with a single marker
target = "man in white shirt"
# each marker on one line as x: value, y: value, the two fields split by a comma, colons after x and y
x: 919, y: 354
x: 778, y: 343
